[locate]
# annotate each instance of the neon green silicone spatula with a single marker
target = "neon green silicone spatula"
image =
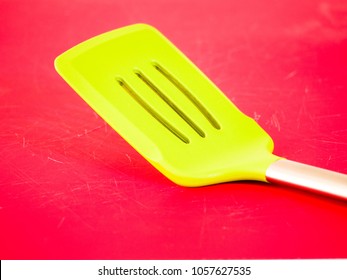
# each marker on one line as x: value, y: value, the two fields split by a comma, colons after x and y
x: 173, y: 115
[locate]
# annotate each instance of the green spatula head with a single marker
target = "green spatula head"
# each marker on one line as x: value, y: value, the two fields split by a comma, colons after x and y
x: 166, y: 108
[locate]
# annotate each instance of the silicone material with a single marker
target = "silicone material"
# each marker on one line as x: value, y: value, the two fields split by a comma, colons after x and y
x: 166, y: 108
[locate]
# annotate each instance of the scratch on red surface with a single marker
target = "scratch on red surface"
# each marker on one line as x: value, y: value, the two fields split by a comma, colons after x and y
x: 52, y: 159
x: 291, y: 75
x: 87, y: 131
x: 61, y: 222
x: 275, y: 122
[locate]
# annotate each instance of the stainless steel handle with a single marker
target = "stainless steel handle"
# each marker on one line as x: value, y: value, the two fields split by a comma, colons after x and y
x: 308, y: 177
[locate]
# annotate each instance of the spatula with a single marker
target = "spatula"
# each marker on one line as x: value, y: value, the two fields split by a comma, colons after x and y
x: 175, y: 117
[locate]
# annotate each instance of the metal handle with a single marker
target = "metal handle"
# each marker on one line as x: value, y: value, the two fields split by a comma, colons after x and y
x: 308, y: 177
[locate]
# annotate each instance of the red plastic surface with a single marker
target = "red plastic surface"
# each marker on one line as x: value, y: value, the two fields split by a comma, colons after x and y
x: 71, y: 188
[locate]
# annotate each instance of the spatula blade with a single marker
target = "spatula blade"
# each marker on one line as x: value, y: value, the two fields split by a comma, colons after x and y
x: 166, y: 108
